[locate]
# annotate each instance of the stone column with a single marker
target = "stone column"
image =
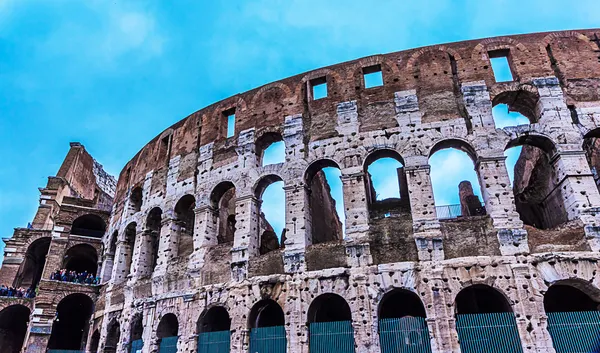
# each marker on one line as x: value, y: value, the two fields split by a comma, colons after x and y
x: 122, y: 265
x: 205, y: 236
x: 357, y: 217
x: 440, y: 318
x: 107, y: 267
x: 148, y: 335
x: 426, y: 227
x: 138, y: 266
x: 297, y: 227
x: 500, y: 204
x: 245, y: 240
x: 167, y: 245
x: 478, y: 104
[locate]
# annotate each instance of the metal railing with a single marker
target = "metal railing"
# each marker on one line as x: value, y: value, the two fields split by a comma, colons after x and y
x: 404, y: 335
x: 214, y: 342
x: 455, y: 211
x: 327, y: 337
x: 268, y: 340
x: 494, y: 332
x: 575, y: 331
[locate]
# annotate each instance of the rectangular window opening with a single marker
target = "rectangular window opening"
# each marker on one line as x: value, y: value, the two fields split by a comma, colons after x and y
x: 373, y: 76
x: 164, y: 148
x: 230, y: 116
x: 501, y: 65
x: 318, y: 88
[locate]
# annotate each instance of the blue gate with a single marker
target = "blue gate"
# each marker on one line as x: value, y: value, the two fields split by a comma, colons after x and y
x: 404, y: 335
x: 168, y: 345
x: 214, y: 342
x: 136, y: 346
x: 268, y: 340
x: 575, y: 331
x: 495, y: 332
x: 330, y: 337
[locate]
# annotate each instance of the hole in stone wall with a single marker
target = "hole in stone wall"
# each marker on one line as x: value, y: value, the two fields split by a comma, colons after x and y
x: 385, y: 182
x: 127, y: 255
x: 500, y: 65
x: 71, y: 322
x: 113, y: 336
x: 329, y: 308
x: 326, y: 207
x: 318, y: 88
x: 89, y: 226
x: 271, y: 228
x: 503, y: 117
x: 270, y: 149
x: 184, y: 219
x: 591, y: 146
x: 481, y: 299
x: 400, y: 303
x: 136, y: 199
x: 137, y: 327
x: 150, y: 247
x: 164, y: 149
x: 168, y: 326
x: 13, y: 327
x: 266, y: 313
x: 81, y: 258
x: 223, y: 201
x: 214, y: 320
x: 519, y: 101
x: 372, y: 76
x: 566, y: 298
x: 230, y: 119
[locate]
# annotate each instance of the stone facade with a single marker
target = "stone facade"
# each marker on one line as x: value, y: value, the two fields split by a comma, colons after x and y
x: 431, y: 98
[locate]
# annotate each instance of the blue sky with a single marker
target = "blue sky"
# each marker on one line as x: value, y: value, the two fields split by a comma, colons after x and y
x: 114, y: 74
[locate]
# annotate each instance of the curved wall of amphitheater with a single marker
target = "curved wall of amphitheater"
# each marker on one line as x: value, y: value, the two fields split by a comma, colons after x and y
x: 172, y: 247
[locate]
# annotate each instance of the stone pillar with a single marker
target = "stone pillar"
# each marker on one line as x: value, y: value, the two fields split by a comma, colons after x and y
x: 478, y: 104
x: 357, y: 217
x: 205, y: 236
x: 149, y: 336
x: 245, y: 240
x: 500, y: 204
x: 107, y: 267
x: 138, y: 266
x: 167, y: 245
x: 580, y: 196
x: 36, y: 340
x: 362, y: 319
x: 440, y: 318
x: 297, y: 227
x: 426, y: 227
x: 122, y: 265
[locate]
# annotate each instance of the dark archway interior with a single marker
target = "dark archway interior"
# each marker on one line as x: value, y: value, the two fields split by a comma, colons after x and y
x: 89, y: 226
x: 31, y: 270
x: 185, y: 218
x: 329, y: 308
x: 13, y: 327
x: 266, y: 313
x: 481, y: 299
x: 520, y: 101
x: 215, y: 319
x: 400, y: 303
x: 153, y: 224
x: 168, y: 326
x: 71, y: 322
x: 137, y: 328
x: 223, y: 201
x: 80, y: 258
x: 95, y: 342
x: 136, y: 199
x: 324, y: 221
x: 112, y: 338
x: 566, y: 298
x: 112, y: 247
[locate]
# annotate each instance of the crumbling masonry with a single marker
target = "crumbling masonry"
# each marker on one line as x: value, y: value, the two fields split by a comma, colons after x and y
x: 182, y: 248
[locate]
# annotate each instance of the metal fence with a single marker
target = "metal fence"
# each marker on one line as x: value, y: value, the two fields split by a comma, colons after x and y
x: 168, y: 345
x: 214, y: 342
x: 455, y: 211
x: 404, y: 335
x: 496, y: 332
x: 136, y: 346
x: 575, y: 332
x: 65, y: 351
x: 268, y: 340
x: 328, y: 337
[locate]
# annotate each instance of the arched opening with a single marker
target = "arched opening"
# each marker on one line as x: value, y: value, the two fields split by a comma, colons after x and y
x: 223, y: 201
x: 112, y: 247
x: 520, y: 101
x: 81, y: 259
x: 271, y: 204
x: 184, y: 220
x: 167, y: 333
x: 13, y: 327
x: 135, y: 199
x: 325, y: 202
x: 124, y: 264
x: 386, y: 186
x: 214, y: 333
x: 454, y: 180
x: 573, y: 316
x: 591, y: 146
x: 30, y: 271
x: 89, y: 225
x: 267, y: 327
x: 402, y: 325
x: 112, y: 337
x: 538, y: 200
x: 71, y: 322
x: 485, y: 321
x: 137, y: 330
x: 330, y: 325
x: 150, y: 246
x: 270, y: 149
x: 504, y: 117
x: 95, y: 342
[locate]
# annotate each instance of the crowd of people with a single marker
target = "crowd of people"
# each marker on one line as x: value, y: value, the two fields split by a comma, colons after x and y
x: 65, y: 275
x: 6, y: 291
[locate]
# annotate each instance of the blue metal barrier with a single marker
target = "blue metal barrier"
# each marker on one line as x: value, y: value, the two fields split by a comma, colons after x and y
x: 65, y: 351
x: 168, y: 345
x: 268, y: 340
x: 404, y: 335
x: 329, y: 337
x: 495, y: 332
x: 214, y: 342
x: 575, y: 331
x: 136, y: 346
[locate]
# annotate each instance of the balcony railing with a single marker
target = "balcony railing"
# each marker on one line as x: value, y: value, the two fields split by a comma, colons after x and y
x: 454, y: 211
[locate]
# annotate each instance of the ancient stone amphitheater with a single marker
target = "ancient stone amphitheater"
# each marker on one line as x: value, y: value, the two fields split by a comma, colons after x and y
x: 188, y: 263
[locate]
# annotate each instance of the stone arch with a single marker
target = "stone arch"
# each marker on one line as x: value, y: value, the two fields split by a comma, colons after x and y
x: 223, y: 200
x: 480, y: 51
x: 417, y: 53
x: 95, y: 341
x: 571, y: 295
x: 81, y: 258
x: 112, y: 242
x: 288, y: 93
x: 89, y: 225
x: 387, y: 205
x: 481, y: 298
x: 30, y: 271
x: 456, y: 143
x: 329, y: 307
x: 149, y: 251
x: 385, y: 64
x: 329, y: 316
x: 565, y: 34
x: 136, y: 199
x: 71, y: 322
x: 266, y: 313
x: 113, y: 336
x: 184, y: 220
x: 268, y: 239
x: 14, y: 320
x: 265, y: 140
x: 532, y: 138
x: 400, y: 302
x: 337, y: 78
x: 214, y: 318
x: 519, y: 98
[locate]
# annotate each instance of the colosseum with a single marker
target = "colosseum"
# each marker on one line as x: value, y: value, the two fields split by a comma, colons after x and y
x: 177, y: 256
